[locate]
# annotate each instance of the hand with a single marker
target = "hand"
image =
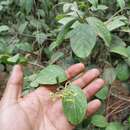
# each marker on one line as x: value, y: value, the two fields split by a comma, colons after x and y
x: 37, y: 111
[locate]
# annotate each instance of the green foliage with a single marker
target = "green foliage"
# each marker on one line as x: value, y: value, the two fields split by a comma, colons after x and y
x: 82, y: 39
x: 99, y: 121
x: 51, y: 75
x: 64, y: 32
x: 103, y: 93
x: 122, y: 71
x: 100, y: 29
x: 74, y: 104
x: 114, y: 126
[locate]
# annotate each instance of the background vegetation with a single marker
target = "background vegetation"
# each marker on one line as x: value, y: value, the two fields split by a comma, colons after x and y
x: 95, y: 32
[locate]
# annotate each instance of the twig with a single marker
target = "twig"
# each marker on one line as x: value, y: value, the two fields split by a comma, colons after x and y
x: 119, y: 97
x: 35, y: 64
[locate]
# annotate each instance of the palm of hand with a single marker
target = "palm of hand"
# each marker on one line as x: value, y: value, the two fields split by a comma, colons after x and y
x: 36, y: 111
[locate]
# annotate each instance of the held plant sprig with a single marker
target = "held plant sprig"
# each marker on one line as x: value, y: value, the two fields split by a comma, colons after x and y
x: 74, y: 101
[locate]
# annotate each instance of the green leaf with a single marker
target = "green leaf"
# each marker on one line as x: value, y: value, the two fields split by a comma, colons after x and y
x: 114, y: 126
x: 116, y: 22
x: 101, y: 29
x: 22, y: 27
x: 49, y: 75
x: 102, y: 7
x: 94, y: 2
x: 56, y: 56
x: 128, y: 51
x: 83, y: 40
x: 3, y: 58
x: 121, y: 3
x: 119, y: 50
x: 99, y: 121
x: 23, y: 60
x: 122, y: 71
x: 4, y: 28
x: 14, y: 59
x: 118, y: 46
x: 24, y: 47
x: 109, y: 75
x: 74, y: 104
x: 103, y: 93
x: 117, y: 41
x: 27, y: 5
x: 40, y: 37
x: 61, y: 35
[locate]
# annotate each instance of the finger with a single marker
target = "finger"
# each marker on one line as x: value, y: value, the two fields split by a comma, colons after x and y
x: 74, y: 70
x: 87, y: 78
x: 14, y: 85
x: 93, y: 88
x: 93, y: 107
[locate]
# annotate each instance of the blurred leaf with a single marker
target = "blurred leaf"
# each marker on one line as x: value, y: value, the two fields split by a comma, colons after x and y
x: 40, y: 37
x: 121, y: 3
x: 103, y: 93
x: 14, y: 59
x: 94, y: 2
x: 119, y: 50
x: 4, y: 28
x: 22, y: 27
x: 114, y: 126
x: 3, y: 58
x: 26, y: 5
x: 61, y: 35
x: 24, y: 47
x: 122, y: 71
x: 99, y: 121
x: 116, y: 22
x: 56, y: 56
x: 109, y: 75
x: 117, y: 41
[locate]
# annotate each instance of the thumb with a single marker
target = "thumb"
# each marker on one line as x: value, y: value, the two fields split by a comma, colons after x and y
x: 14, y: 86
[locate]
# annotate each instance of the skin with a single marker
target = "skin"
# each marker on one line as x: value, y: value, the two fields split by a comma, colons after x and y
x: 37, y: 111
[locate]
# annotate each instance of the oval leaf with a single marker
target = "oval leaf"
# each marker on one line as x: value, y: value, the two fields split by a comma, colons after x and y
x: 83, y: 40
x: 114, y: 126
x: 101, y: 29
x: 122, y: 71
x: 74, y: 104
x: 50, y: 74
x: 99, y: 121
